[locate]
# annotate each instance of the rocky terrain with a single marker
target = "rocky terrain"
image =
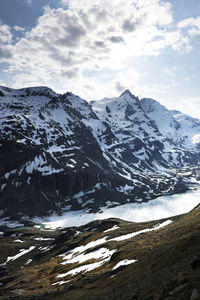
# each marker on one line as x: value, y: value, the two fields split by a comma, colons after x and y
x: 60, y: 153
x: 105, y: 259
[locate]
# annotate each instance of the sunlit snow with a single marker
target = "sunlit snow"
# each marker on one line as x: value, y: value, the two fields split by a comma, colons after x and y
x: 100, y: 253
x: 22, y: 252
x: 162, y: 207
x: 124, y: 263
x: 131, y: 235
x: 84, y: 268
x: 111, y: 229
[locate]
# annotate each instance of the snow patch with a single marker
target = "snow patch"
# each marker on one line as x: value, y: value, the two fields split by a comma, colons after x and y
x: 60, y: 282
x: 28, y: 262
x: 81, y: 249
x: 131, y: 235
x: 83, y: 269
x: 124, y: 262
x: 196, y: 139
x: 101, y: 253
x: 111, y: 229
x: 44, y: 239
x: 3, y: 186
x: 21, y: 253
x: 18, y: 241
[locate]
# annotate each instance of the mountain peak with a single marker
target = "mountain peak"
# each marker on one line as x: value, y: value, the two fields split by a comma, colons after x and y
x: 37, y: 91
x: 27, y: 91
x: 127, y: 92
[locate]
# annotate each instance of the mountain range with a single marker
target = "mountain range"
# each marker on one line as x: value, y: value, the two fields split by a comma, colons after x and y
x: 61, y: 153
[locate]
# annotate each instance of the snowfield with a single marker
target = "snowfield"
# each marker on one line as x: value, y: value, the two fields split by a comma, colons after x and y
x: 162, y: 207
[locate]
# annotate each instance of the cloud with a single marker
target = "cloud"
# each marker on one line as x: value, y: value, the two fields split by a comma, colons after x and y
x: 193, y: 24
x: 18, y: 28
x: 100, y: 88
x: 5, y: 42
x: 29, y: 2
x: 116, y: 39
x: 130, y: 26
x: 71, y: 73
x: 168, y: 71
x: 187, y: 105
x: 5, y: 34
x: 90, y: 35
x: 127, y: 79
x: 100, y: 44
x: 5, y: 53
x: 119, y: 87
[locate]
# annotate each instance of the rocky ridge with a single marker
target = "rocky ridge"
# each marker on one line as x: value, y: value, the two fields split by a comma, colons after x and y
x: 61, y: 153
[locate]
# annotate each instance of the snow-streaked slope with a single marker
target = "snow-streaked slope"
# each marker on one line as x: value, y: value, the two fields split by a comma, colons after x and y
x: 148, y: 129
x: 161, y: 116
x: 100, y: 129
x: 189, y: 127
x: 132, y: 127
x: 60, y: 153
x: 26, y: 92
x: 180, y: 128
x: 122, y: 113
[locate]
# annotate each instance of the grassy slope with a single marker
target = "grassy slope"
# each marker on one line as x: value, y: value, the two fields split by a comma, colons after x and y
x: 166, y: 267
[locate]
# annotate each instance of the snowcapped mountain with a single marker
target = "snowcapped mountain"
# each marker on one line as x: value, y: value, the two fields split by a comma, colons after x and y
x: 189, y: 127
x: 155, y: 136
x: 59, y: 152
x: 163, y: 119
x: 173, y: 125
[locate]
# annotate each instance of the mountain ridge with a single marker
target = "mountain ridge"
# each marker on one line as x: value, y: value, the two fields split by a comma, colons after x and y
x: 60, y: 152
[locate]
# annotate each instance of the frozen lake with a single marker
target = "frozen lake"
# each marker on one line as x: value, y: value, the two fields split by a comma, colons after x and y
x: 162, y: 207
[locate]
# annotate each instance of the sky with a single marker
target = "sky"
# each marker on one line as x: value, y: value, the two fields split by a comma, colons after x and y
x: 99, y: 48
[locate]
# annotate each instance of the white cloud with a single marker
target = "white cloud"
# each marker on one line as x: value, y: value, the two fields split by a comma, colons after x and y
x: 5, y: 34
x: 5, y: 42
x: 29, y: 2
x: 94, y: 88
x: 18, y: 28
x: 177, y: 40
x: 193, y: 24
x: 168, y: 71
x: 85, y: 35
x: 126, y: 79
x: 188, y: 105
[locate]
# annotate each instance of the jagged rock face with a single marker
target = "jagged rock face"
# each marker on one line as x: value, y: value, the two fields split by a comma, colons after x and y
x: 157, y: 137
x: 172, y: 124
x: 60, y: 153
